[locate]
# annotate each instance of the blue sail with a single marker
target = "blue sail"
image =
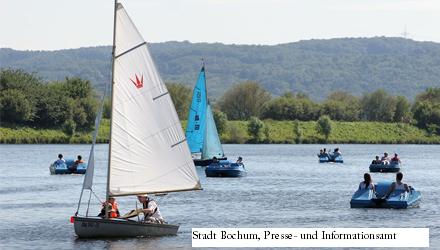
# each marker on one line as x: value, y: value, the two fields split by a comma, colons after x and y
x: 212, y: 145
x: 195, y: 129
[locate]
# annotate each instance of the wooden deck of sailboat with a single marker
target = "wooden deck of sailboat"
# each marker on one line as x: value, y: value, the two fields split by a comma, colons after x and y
x: 97, y: 227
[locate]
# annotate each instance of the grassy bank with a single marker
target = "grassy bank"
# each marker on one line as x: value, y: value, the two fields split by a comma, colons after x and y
x: 236, y: 132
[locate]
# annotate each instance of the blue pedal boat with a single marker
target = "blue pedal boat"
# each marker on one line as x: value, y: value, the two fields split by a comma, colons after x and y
x: 225, y: 169
x: 65, y: 168
x: 393, y: 167
x: 337, y: 159
x: 398, y: 199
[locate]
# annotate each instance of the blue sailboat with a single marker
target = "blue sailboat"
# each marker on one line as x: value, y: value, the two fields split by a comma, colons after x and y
x: 213, y: 153
x: 201, y: 132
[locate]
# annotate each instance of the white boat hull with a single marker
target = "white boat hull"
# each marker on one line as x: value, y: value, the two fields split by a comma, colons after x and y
x: 96, y: 227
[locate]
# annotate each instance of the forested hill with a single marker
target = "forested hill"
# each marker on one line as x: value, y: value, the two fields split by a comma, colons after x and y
x: 315, y: 67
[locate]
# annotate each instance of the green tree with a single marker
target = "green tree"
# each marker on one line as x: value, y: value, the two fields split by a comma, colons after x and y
x: 15, y: 107
x: 20, y: 92
x: 77, y: 88
x: 426, y: 110
x: 378, y: 106
x: 54, y: 108
x: 402, y: 113
x: 181, y: 96
x: 255, y: 129
x: 324, y: 126
x: 244, y: 100
x: 342, y: 106
x: 221, y: 121
x: 291, y: 107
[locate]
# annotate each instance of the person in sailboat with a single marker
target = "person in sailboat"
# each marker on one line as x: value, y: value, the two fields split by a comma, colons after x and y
x: 150, y: 209
x: 113, y: 210
x: 60, y: 160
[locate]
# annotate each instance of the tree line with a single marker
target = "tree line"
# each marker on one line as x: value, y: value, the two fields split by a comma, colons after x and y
x: 247, y: 100
x: 71, y: 105
x: 27, y: 100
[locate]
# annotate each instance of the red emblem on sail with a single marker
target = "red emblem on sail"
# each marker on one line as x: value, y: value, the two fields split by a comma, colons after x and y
x: 139, y: 83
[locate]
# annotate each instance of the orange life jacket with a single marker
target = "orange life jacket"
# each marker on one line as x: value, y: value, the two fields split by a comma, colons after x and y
x: 114, y: 211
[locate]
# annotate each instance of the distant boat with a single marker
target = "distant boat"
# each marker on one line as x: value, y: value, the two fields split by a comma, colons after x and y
x: 225, y: 169
x: 147, y: 149
x: 201, y: 131
x: 398, y: 199
x: 65, y: 168
x: 392, y: 167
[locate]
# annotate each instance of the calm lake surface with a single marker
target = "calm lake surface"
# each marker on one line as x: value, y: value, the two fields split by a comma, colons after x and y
x: 285, y: 187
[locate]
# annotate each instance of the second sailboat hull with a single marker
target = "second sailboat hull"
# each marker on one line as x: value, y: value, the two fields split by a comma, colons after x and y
x: 96, y: 227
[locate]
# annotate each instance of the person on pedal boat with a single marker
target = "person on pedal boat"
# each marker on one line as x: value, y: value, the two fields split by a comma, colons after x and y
x: 60, y: 160
x: 78, y: 161
x: 396, y: 159
x: 397, y: 185
x: 367, y: 183
x: 239, y: 160
x: 385, y: 159
x: 376, y: 160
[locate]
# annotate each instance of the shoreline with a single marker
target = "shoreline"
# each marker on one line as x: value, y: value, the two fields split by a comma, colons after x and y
x: 276, y: 132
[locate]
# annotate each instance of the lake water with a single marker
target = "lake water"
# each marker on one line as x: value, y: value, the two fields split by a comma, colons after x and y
x: 285, y: 187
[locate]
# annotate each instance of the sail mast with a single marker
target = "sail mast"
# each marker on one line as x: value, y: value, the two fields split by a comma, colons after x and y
x: 107, y: 191
x: 206, y: 90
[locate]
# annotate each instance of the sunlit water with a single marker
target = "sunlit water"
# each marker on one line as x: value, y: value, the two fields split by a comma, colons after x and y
x: 285, y: 187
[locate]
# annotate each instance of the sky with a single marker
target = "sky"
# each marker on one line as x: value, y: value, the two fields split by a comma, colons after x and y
x: 64, y: 24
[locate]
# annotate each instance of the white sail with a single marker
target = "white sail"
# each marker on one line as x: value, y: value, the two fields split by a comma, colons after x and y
x: 88, y: 178
x: 148, y: 152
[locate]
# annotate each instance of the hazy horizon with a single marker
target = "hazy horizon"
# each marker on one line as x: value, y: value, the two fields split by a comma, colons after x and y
x: 64, y: 24
x: 184, y: 41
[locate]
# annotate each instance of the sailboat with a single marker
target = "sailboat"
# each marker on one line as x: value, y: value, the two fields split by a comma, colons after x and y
x: 148, y: 153
x: 201, y: 131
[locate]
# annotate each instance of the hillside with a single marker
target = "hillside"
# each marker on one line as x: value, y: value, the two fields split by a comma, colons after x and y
x: 315, y: 67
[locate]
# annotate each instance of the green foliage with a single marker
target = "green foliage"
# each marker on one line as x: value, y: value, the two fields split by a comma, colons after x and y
x: 19, y: 95
x: 378, y: 106
x: 15, y: 107
x: 297, y: 132
x: 324, y: 126
x: 107, y: 109
x: 244, y: 100
x: 69, y: 127
x: 236, y: 134
x: 427, y: 110
x: 221, y: 121
x: 181, y: 96
x: 291, y: 107
x: 26, y: 100
x: 402, y: 113
x: 279, y: 132
x: 255, y: 129
x: 342, y: 106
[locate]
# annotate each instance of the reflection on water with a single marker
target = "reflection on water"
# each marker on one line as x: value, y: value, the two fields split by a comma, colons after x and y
x: 285, y: 187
